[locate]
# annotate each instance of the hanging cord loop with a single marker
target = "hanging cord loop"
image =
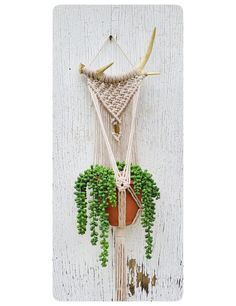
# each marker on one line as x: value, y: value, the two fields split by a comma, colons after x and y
x: 111, y: 39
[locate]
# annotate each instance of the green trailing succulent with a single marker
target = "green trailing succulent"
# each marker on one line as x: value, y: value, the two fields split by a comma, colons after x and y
x: 96, y: 188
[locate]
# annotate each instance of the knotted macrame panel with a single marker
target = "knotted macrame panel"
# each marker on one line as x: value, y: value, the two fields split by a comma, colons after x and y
x: 115, y: 97
x: 119, y: 147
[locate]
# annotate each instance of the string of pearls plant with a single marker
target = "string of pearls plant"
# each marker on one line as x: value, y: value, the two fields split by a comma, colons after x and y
x: 95, y: 189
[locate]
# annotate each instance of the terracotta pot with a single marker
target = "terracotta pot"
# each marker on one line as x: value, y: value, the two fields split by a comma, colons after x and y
x: 131, y: 210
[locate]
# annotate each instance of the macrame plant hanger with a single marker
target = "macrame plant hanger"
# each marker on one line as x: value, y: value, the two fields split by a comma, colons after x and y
x: 114, y: 93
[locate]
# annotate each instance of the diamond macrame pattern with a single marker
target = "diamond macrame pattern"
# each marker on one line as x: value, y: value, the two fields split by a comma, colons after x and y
x: 115, y: 96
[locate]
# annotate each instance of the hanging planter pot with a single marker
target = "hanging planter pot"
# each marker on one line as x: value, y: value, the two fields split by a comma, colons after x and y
x: 132, y: 208
x: 97, y: 200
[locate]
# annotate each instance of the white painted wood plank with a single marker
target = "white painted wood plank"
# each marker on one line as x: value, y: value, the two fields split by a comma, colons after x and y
x: 79, y: 31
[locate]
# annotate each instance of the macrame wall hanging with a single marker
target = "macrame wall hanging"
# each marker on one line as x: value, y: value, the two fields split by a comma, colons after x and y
x: 124, y: 181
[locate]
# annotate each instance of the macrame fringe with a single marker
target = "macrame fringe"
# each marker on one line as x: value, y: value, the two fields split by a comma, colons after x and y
x: 121, y: 274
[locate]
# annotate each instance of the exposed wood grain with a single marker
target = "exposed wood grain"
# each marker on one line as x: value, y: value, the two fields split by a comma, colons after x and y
x: 79, y: 31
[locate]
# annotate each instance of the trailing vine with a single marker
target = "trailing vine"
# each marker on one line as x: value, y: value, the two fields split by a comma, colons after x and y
x: 99, y: 182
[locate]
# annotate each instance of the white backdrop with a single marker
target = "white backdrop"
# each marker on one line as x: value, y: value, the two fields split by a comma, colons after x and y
x: 209, y: 153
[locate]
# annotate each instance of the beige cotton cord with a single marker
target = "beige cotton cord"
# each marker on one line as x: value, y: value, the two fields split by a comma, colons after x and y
x: 122, y: 177
x: 114, y: 93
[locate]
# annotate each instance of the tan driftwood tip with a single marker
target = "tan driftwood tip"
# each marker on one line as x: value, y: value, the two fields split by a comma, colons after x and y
x: 152, y: 73
x: 143, y: 62
x: 81, y: 67
x: 102, y: 69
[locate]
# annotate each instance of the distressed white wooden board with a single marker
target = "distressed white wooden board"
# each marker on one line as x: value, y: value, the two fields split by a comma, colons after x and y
x: 79, y: 32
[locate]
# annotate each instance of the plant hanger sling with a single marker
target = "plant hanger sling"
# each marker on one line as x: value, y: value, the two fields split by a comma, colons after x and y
x: 115, y: 93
